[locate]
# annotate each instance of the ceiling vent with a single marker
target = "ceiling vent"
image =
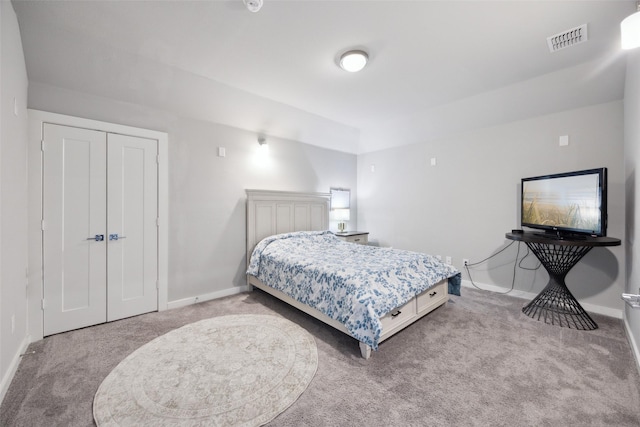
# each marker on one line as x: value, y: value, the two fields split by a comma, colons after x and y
x: 568, y: 38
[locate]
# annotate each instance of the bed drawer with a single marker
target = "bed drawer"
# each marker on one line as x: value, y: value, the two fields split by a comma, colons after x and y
x: 399, y: 317
x: 432, y: 297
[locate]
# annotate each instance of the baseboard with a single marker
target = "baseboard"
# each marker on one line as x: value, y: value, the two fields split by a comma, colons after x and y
x: 499, y: 289
x: 13, y: 367
x: 207, y: 297
x: 591, y: 308
x: 632, y: 342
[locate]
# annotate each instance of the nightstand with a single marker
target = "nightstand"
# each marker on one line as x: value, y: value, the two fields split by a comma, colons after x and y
x: 360, y: 237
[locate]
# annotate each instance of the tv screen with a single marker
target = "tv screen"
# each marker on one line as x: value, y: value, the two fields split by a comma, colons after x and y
x: 566, y: 203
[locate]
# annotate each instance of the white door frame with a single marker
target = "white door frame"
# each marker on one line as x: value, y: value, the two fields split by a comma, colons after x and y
x: 35, y: 274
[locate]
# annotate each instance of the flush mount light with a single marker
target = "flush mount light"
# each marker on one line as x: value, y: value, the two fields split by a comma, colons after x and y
x: 630, y: 30
x: 353, y: 60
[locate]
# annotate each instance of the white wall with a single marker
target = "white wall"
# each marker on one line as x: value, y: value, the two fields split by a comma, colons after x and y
x: 13, y: 196
x: 207, y: 211
x: 632, y: 187
x: 463, y: 206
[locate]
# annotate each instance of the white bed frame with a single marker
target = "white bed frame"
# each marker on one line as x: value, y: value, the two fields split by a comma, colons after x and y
x: 276, y: 212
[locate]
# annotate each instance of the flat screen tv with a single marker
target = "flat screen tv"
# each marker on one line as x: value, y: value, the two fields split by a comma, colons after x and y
x: 571, y: 203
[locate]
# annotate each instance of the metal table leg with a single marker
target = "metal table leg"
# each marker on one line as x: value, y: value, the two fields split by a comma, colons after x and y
x: 555, y: 304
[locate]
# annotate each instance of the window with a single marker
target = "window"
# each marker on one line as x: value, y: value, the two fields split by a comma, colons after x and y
x: 340, y: 198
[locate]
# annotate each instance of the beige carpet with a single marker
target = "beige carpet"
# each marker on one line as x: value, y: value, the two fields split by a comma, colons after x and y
x: 240, y: 370
x: 477, y: 361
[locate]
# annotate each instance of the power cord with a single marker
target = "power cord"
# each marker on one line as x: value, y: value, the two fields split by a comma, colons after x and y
x: 523, y: 258
x: 516, y: 263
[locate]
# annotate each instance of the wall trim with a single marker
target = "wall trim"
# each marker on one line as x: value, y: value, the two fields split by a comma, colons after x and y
x: 592, y: 308
x: 208, y: 297
x: 13, y: 367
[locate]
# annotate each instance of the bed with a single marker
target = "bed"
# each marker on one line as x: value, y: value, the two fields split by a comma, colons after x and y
x: 369, y: 293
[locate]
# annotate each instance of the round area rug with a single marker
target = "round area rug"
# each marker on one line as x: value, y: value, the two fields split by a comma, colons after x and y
x: 240, y: 370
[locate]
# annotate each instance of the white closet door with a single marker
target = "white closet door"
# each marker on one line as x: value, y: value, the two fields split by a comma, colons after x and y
x: 132, y: 258
x: 74, y: 213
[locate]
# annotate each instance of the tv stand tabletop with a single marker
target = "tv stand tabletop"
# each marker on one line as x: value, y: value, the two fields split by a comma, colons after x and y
x: 563, y: 240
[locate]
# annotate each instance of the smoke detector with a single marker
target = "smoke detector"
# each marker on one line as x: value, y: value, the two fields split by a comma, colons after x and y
x: 253, y: 5
x: 568, y: 38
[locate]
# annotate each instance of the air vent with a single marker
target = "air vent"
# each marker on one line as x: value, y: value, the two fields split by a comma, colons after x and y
x: 568, y: 38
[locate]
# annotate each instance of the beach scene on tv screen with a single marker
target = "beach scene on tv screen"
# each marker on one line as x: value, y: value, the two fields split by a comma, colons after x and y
x: 567, y: 202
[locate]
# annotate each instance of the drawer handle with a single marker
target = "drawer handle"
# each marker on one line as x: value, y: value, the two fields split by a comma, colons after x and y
x: 433, y: 293
x: 396, y: 313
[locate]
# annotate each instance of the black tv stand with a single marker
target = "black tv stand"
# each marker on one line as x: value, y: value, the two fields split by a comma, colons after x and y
x: 558, y: 254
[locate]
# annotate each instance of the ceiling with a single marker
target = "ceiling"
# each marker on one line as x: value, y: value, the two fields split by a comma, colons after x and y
x: 436, y: 67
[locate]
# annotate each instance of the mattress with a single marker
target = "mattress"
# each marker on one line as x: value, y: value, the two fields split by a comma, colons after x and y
x: 353, y: 284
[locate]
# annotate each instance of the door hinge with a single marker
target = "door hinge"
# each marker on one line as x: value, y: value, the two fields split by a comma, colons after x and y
x: 158, y: 159
x: 43, y: 304
x: 158, y: 222
x: 42, y: 225
x: 42, y: 145
x: 157, y: 284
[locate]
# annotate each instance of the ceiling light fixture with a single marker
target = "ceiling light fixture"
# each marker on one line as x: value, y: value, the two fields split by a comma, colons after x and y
x: 253, y: 5
x: 262, y: 140
x: 353, y: 60
x: 630, y: 30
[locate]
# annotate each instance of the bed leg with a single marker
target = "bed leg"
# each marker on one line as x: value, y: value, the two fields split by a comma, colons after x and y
x: 365, y: 350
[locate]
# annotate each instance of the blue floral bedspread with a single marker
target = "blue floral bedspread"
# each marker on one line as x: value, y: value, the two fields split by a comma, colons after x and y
x: 353, y: 284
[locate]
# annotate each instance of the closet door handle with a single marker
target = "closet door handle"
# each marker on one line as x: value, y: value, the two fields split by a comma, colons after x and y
x: 97, y: 238
x: 116, y: 237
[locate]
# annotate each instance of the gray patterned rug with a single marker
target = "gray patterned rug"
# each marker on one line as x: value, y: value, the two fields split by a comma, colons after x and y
x: 240, y: 370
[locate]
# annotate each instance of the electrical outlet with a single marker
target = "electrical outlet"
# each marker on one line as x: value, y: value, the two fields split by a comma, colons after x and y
x: 465, y: 261
x: 448, y: 260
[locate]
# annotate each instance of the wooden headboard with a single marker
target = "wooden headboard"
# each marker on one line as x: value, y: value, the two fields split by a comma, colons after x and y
x: 276, y: 212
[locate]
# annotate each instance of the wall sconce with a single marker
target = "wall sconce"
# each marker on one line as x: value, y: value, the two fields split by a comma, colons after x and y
x: 263, y: 148
x: 630, y: 30
x: 253, y: 5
